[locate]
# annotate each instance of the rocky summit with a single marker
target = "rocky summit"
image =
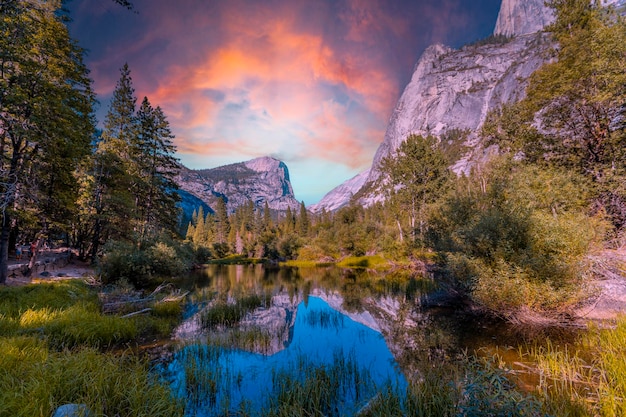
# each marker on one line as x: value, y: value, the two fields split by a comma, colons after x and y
x: 259, y: 180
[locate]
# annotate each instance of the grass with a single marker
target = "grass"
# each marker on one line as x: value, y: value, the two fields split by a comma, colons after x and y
x: 371, y: 262
x: 35, y: 381
x: 305, y: 264
x: 235, y: 260
x: 223, y: 314
x: 54, y: 341
x: 588, y: 379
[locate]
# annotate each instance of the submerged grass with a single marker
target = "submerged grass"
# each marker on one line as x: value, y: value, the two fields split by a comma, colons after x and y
x: 224, y: 314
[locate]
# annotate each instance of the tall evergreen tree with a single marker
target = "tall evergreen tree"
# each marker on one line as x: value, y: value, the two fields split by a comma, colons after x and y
x: 46, y: 116
x: 115, y: 177
x: 153, y: 153
x: 303, y: 224
x: 222, y: 224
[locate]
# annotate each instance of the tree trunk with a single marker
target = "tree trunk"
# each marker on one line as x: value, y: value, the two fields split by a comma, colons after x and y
x: 4, y: 248
x: 95, y: 242
x: 400, y: 229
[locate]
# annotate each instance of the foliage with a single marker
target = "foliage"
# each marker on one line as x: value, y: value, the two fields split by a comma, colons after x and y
x: 45, y: 121
x: 139, y: 265
x: 413, y: 179
x: 127, y: 186
x: 515, y: 237
x: 573, y: 115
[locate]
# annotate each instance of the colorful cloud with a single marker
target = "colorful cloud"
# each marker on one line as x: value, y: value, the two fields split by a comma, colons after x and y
x: 305, y: 80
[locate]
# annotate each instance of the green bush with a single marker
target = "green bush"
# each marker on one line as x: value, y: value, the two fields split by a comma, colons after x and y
x: 515, y: 237
x: 138, y: 265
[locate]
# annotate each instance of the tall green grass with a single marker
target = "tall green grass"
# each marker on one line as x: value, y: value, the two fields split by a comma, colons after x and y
x: 35, y: 381
x: 586, y: 379
x: 52, y: 339
x: 224, y: 314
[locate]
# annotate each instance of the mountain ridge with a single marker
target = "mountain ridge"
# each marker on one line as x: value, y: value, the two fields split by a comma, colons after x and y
x: 260, y: 180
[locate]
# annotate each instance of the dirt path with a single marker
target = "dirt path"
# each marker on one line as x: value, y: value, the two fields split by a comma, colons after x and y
x: 53, y: 264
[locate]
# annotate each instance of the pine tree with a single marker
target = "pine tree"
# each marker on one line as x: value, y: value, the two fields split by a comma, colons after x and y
x: 303, y: 223
x: 222, y: 224
x: 46, y: 116
x: 153, y: 154
x: 115, y: 176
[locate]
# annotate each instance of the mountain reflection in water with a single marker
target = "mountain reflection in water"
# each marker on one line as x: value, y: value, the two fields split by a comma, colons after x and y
x: 321, y: 337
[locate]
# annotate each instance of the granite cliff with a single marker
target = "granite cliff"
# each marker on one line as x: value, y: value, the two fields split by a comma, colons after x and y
x: 452, y: 91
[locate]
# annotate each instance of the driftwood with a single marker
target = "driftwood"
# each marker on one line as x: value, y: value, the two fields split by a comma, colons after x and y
x: 121, y: 303
x: 136, y: 313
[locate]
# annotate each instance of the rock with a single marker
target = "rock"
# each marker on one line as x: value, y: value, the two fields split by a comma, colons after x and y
x: 453, y: 90
x: 521, y: 17
x: 73, y: 410
x: 260, y: 180
x: 341, y: 195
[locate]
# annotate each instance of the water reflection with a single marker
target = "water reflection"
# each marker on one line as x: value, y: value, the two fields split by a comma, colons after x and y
x: 220, y: 379
x: 250, y: 333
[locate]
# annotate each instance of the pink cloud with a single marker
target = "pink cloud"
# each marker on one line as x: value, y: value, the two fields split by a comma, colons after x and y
x: 301, y: 78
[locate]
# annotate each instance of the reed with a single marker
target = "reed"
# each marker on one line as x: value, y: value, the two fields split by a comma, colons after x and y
x: 325, y: 319
x: 304, y: 388
x: 249, y: 338
x: 223, y: 314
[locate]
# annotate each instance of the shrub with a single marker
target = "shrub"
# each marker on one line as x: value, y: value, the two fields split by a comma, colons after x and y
x: 516, y: 237
x: 138, y: 265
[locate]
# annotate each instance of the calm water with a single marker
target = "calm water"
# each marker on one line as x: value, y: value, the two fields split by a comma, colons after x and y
x: 306, y: 330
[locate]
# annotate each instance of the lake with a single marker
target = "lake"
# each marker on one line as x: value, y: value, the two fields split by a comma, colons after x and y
x: 258, y: 340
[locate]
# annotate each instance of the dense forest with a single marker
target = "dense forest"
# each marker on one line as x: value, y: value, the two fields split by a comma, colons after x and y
x: 513, y: 233
x: 62, y: 180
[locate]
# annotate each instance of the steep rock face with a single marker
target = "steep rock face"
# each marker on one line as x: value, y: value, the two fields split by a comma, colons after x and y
x: 341, y: 195
x: 452, y: 91
x: 259, y: 180
x: 455, y: 89
x: 521, y: 17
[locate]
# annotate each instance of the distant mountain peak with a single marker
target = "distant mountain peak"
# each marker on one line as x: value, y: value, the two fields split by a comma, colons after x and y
x: 259, y: 180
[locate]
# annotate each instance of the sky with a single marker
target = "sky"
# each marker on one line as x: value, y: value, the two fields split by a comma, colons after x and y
x: 310, y: 82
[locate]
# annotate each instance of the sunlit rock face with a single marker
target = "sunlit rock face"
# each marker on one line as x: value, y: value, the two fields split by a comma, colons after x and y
x: 452, y: 91
x: 520, y: 17
x: 341, y: 195
x: 259, y: 180
x: 456, y: 89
